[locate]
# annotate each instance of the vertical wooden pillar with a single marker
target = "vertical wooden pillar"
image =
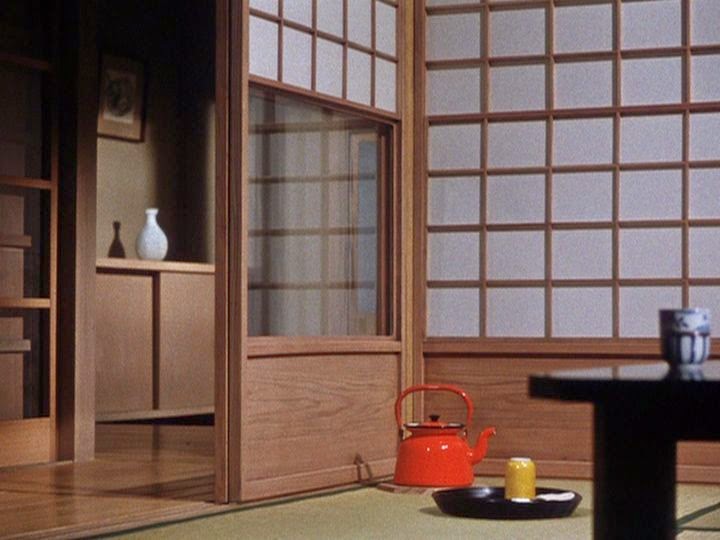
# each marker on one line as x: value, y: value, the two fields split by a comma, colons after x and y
x: 232, y: 95
x: 78, y: 86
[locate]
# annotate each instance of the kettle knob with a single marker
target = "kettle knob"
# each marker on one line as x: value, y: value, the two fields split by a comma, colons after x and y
x: 434, y: 417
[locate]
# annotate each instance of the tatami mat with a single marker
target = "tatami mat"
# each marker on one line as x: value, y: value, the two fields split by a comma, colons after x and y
x: 374, y: 513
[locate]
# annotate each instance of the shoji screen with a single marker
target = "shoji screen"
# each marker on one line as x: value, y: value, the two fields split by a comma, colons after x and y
x: 573, y: 165
x: 344, y: 49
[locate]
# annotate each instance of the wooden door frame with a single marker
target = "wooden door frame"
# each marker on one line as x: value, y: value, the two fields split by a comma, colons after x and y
x: 232, y: 95
x: 78, y: 87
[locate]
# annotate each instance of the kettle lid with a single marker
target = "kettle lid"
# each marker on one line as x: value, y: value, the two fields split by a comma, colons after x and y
x: 434, y: 423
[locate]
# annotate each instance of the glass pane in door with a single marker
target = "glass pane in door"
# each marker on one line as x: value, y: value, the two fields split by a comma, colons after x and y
x: 319, y: 231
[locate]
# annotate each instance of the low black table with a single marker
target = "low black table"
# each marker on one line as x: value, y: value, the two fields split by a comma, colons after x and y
x: 641, y: 411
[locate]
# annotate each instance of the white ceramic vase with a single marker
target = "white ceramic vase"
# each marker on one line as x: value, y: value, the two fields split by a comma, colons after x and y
x: 151, y: 243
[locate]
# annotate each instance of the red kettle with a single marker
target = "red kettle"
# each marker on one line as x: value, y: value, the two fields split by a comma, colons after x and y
x: 437, y: 453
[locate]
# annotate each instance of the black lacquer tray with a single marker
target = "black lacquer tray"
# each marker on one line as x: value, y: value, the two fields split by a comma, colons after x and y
x: 490, y: 503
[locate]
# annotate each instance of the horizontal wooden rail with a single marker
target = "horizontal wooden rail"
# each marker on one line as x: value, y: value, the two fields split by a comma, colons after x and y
x: 15, y: 345
x: 142, y: 266
x: 24, y: 303
x: 21, y: 241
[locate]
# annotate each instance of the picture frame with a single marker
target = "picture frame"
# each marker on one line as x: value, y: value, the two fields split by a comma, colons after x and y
x: 122, y: 95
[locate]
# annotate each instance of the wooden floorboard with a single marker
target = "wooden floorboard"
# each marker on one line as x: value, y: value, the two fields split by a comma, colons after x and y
x: 142, y: 474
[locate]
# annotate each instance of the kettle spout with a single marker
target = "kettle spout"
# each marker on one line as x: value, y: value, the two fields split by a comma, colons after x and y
x: 478, y: 453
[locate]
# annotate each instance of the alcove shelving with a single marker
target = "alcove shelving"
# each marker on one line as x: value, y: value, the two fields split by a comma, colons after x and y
x: 154, y: 326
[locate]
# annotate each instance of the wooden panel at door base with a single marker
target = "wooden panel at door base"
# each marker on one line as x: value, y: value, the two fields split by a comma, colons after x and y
x: 317, y: 421
x: 15, y: 435
x: 186, y: 340
x: 124, y: 343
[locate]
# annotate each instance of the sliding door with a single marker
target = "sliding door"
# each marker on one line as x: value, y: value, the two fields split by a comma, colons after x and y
x: 28, y: 235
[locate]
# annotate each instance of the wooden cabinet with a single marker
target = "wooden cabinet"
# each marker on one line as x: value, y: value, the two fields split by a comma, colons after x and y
x: 155, y: 339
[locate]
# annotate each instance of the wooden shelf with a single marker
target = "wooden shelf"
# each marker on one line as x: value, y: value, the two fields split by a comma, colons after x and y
x: 25, y: 182
x: 15, y: 345
x: 24, y: 303
x: 150, y: 415
x: 137, y: 265
x: 21, y: 241
x: 25, y: 62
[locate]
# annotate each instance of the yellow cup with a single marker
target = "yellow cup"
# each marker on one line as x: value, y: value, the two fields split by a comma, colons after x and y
x: 520, y: 478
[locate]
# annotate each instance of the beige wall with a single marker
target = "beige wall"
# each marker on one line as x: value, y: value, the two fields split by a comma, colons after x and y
x: 173, y: 167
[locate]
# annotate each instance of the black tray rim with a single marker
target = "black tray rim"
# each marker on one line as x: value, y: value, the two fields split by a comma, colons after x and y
x: 462, y: 502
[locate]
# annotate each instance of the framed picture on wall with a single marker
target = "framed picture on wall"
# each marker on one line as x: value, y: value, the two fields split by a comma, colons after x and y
x: 122, y: 89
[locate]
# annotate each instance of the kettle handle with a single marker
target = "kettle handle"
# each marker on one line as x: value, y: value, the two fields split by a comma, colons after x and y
x: 432, y: 388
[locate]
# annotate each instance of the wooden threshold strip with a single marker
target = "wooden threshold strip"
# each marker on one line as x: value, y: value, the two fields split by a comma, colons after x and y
x: 264, y: 346
x: 541, y: 347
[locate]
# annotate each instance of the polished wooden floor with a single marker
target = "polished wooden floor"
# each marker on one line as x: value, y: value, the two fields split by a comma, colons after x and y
x: 142, y: 474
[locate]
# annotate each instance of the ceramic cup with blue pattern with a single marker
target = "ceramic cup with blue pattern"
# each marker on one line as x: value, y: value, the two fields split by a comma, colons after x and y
x: 685, y: 336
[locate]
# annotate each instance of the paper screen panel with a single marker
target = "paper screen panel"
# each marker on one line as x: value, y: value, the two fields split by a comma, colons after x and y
x: 705, y: 194
x: 639, y: 308
x: 651, y: 24
x: 517, y: 32
x: 453, y: 312
x: 330, y: 17
x: 358, y: 73
x: 385, y: 24
x: 385, y: 77
x: 517, y: 88
x: 582, y: 312
x: 297, y: 58
x: 516, y: 144
x: 583, y: 84
x: 516, y: 255
x: 651, y: 194
x: 708, y: 298
x: 360, y: 22
x: 453, y: 256
x: 583, y: 28
x: 454, y: 200
x: 451, y: 2
x: 704, y: 141
x: 705, y: 20
x: 651, y: 138
x: 582, y: 196
x: 582, y: 254
x: 453, y: 36
x: 329, y: 73
x: 517, y: 312
x: 299, y: 11
x: 455, y: 146
x: 704, y: 252
x: 651, y: 81
x: 263, y: 48
x: 516, y: 199
x: 583, y: 141
x: 452, y: 91
x: 268, y: 6
x: 705, y: 77
x: 650, y: 253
